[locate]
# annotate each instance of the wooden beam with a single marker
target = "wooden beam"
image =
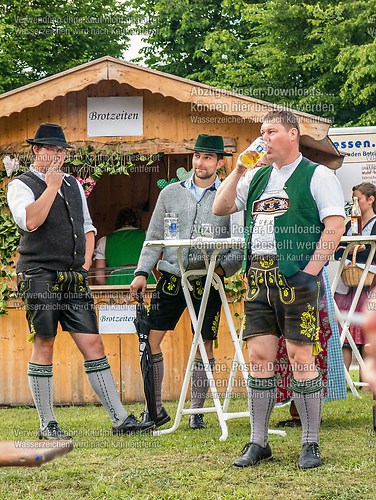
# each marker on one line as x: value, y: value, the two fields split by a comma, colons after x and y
x: 202, y: 97
x: 36, y: 93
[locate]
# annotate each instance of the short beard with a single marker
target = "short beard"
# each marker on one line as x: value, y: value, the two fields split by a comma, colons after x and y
x: 203, y: 175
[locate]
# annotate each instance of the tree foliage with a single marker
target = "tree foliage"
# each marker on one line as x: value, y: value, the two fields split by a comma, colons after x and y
x: 39, y: 38
x: 175, y: 34
x: 316, y: 56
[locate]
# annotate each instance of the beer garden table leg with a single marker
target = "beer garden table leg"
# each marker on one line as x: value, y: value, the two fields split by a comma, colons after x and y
x: 346, y: 323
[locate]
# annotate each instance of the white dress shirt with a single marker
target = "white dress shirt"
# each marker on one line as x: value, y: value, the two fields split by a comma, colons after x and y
x: 325, y: 189
x: 20, y: 196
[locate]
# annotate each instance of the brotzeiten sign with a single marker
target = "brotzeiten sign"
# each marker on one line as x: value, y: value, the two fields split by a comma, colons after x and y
x: 117, y: 318
x: 114, y: 116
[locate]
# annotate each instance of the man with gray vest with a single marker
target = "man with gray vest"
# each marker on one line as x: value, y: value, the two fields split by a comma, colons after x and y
x: 192, y: 200
x: 294, y: 221
x: 56, y: 247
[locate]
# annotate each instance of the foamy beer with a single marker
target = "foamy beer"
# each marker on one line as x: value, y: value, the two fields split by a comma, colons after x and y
x: 253, y: 153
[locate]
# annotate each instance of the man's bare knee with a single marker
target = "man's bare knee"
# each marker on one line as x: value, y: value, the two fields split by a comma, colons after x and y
x: 208, y: 348
x: 42, y: 350
x: 155, y: 339
x: 262, y: 353
x: 301, y: 359
x: 89, y: 344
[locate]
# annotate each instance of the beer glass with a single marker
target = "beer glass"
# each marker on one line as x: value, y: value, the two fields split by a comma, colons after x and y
x: 254, y: 153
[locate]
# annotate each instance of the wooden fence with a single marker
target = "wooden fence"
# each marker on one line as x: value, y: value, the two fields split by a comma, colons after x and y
x: 70, y: 382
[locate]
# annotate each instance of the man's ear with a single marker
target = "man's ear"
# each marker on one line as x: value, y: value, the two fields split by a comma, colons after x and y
x: 294, y: 134
x: 220, y: 163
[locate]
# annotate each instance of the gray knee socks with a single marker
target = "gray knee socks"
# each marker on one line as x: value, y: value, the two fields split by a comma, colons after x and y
x: 308, y: 401
x: 101, y: 380
x: 40, y: 382
x: 199, y: 383
x: 158, y: 373
x: 261, y: 400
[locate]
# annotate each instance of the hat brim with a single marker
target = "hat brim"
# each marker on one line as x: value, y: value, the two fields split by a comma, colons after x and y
x: 208, y: 150
x: 50, y: 142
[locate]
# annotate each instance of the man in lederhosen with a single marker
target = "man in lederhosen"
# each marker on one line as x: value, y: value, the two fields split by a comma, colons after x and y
x: 294, y: 221
x: 56, y: 246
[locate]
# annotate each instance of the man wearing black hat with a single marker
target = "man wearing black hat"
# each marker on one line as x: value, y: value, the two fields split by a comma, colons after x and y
x: 56, y: 246
x: 192, y: 201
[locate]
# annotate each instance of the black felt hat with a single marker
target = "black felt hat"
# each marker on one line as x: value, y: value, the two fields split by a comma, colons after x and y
x: 206, y: 143
x: 50, y: 134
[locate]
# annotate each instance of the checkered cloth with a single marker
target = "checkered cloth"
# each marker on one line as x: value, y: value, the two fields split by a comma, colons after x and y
x: 336, y: 383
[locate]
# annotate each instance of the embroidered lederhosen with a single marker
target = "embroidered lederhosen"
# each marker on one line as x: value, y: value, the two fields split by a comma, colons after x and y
x: 276, y: 304
x: 268, y: 274
x: 168, y: 304
x: 53, y: 297
x: 69, y: 280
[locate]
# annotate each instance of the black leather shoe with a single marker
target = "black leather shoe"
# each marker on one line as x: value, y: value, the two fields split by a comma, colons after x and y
x: 310, y: 456
x: 252, y: 454
x: 196, y: 421
x: 162, y: 417
x: 132, y: 425
x: 52, y: 431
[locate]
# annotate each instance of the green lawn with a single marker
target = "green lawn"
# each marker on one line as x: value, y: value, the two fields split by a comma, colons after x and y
x: 194, y: 464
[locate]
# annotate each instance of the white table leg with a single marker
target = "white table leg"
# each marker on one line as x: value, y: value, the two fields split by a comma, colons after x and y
x: 345, y: 331
x: 198, y: 342
x: 345, y: 324
x: 238, y: 362
x: 234, y: 367
x: 223, y: 415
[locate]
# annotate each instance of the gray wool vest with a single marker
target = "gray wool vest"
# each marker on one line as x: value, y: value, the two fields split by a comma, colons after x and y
x: 59, y: 243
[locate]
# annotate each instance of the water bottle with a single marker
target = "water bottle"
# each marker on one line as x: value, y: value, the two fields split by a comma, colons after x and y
x: 171, y: 226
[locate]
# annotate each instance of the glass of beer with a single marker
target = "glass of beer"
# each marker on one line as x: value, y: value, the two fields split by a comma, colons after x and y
x: 253, y: 153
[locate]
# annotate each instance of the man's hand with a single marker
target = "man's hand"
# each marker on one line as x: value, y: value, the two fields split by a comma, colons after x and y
x: 54, y: 176
x: 240, y: 167
x: 137, y: 285
x: 37, y: 212
x: 224, y: 202
x: 326, y: 246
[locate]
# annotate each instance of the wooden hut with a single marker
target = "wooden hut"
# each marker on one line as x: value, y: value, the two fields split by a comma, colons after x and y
x: 173, y: 112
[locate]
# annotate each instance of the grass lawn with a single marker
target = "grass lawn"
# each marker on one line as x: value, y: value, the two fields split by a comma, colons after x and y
x: 194, y: 464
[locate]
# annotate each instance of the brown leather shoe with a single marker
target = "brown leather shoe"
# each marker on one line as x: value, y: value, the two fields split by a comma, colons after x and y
x: 291, y: 422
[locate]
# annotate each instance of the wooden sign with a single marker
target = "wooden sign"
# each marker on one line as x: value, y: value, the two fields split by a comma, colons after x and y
x: 114, y: 116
